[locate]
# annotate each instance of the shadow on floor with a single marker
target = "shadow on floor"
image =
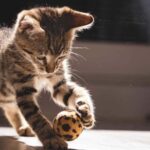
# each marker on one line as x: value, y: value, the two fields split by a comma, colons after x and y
x: 9, y: 142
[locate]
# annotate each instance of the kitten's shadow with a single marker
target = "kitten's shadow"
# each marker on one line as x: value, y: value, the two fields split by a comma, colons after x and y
x: 17, y: 145
x: 40, y: 148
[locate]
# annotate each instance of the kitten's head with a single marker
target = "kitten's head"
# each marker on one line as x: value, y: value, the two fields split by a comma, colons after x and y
x: 49, y: 32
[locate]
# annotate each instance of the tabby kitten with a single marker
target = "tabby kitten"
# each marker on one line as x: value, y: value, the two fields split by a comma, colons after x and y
x: 34, y: 55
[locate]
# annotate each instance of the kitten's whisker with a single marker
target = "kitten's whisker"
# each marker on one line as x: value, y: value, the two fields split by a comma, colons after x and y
x: 75, y: 70
x: 74, y: 58
x: 78, y: 56
x: 79, y: 47
x: 76, y: 76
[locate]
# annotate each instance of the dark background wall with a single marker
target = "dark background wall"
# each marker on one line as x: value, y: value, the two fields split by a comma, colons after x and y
x: 116, y: 20
x: 116, y: 64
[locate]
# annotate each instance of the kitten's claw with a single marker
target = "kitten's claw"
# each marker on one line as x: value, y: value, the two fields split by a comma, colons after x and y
x: 56, y: 143
x: 87, y: 117
x: 25, y: 131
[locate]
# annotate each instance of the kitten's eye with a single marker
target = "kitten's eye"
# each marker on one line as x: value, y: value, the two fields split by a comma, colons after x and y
x: 61, y: 58
x: 58, y: 61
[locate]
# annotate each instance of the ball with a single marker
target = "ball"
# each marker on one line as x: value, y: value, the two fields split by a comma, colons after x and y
x: 67, y: 125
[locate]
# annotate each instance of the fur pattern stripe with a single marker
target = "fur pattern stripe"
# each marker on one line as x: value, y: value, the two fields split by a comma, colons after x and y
x: 25, y: 91
x: 24, y: 78
x: 67, y: 96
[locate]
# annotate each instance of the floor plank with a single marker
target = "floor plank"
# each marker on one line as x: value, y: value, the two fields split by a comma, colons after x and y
x: 88, y: 140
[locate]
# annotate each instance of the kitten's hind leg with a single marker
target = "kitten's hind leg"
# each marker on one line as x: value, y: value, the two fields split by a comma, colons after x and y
x: 17, y: 120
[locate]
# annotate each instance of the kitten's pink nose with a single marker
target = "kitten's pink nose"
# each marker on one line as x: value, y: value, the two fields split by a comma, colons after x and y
x: 50, y: 69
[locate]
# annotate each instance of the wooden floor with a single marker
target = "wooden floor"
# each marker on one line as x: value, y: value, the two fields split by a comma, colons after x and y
x: 89, y: 140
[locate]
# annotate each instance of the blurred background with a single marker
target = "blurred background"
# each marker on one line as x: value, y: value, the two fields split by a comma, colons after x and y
x: 114, y: 63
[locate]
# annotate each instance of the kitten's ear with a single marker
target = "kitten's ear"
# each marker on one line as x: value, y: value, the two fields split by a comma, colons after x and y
x: 22, y: 22
x: 76, y: 19
x: 26, y: 23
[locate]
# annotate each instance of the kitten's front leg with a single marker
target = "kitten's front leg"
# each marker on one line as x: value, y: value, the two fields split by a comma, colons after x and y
x: 25, y: 92
x: 73, y: 96
x: 16, y: 119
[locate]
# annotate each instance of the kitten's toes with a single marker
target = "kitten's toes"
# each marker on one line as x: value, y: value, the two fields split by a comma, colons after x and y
x: 25, y: 131
x: 56, y: 143
x: 87, y: 117
x: 88, y: 121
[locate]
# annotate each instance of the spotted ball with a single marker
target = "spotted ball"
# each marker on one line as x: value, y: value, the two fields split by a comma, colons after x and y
x: 67, y: 125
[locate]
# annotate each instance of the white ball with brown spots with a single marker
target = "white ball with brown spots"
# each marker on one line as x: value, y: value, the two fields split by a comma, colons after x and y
x: 67, y: 124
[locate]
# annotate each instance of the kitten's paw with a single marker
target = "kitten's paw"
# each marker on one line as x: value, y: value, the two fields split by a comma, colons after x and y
x: 25, y: 131
x: 56, y: 143
x: 87, y: 116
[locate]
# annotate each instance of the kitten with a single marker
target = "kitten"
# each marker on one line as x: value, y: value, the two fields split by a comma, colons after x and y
x: 34, y: 55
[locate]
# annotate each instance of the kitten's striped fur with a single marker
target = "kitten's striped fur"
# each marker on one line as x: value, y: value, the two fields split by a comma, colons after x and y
x: 34, y: 55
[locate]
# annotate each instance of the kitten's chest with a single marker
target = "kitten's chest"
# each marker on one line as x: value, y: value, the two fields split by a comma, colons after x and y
x: 42, y: 83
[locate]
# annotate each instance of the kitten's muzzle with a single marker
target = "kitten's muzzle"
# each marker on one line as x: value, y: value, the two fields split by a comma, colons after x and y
x: 51, y: 68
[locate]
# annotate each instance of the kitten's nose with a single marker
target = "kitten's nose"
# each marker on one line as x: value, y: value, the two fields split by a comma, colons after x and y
x: 50, y: 69
x: 50, y: 64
